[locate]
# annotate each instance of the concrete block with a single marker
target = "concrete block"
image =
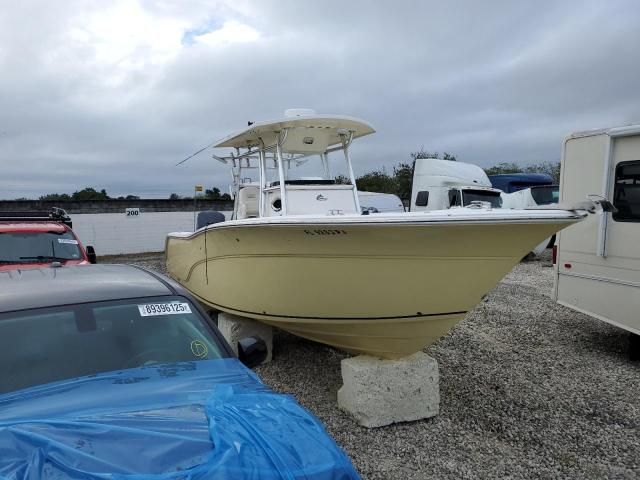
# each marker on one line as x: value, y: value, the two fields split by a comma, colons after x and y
x: 380, y: 392
x: 233, y: 328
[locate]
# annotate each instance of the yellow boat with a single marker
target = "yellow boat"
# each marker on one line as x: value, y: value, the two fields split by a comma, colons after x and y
x: 298, y: 253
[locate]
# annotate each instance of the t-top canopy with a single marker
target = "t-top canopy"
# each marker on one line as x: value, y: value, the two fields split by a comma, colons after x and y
x: 306, y: 133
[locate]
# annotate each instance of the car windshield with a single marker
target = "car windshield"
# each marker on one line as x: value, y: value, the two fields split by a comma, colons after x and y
x: 45, y: 345
x: 30, y: 247
x: 482, y: 196
x: 546, y: 195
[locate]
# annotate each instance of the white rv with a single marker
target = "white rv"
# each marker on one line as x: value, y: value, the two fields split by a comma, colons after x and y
x: 597, y: 269
x: 442, y: 184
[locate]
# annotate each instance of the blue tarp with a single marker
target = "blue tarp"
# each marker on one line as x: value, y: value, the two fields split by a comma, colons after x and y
x: 209, y: 420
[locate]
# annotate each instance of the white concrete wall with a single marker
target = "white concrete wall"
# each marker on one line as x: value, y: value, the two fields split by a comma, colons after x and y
x: 115, y: 233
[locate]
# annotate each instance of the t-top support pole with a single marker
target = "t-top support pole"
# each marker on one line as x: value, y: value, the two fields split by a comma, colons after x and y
x: 283, y: 198
x: 346, y: 142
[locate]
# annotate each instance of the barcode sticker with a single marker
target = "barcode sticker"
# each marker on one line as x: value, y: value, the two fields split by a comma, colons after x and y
x: 153, y: 309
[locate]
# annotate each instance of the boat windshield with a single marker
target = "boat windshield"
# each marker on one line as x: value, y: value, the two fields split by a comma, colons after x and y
x: 482, y: 196
x: 311, y: 170
x: 546, y: 194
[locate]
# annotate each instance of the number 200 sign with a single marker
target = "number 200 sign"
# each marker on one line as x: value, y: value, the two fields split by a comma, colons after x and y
x: 133, y: 212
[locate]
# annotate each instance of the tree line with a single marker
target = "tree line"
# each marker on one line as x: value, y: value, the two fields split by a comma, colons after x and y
x: 209, y: 194
x: 87, y: 193
x: 90, y: 193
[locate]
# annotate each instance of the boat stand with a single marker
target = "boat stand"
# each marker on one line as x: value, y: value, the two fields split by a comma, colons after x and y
x: 378, y: 392
x: 234, y: 328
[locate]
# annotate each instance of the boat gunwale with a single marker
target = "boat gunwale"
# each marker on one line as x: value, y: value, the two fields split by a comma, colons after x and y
x: 387, y: 221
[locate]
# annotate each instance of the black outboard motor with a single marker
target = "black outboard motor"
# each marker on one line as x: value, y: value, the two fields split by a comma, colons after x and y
x: 208, y: 217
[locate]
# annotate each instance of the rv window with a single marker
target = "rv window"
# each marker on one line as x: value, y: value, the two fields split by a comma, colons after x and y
x: 422, y: 200
x: 626, y: 194
x: 454, y: 198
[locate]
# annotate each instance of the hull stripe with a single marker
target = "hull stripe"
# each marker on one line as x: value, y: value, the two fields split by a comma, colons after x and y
x: 275, y: 315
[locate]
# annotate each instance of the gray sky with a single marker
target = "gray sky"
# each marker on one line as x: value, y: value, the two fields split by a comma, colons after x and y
x: 112, y: 94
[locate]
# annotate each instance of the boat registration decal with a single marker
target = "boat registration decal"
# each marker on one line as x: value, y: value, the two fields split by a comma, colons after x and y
x: 69, y: 241
x: 325, y: 232
x: 152, y: 309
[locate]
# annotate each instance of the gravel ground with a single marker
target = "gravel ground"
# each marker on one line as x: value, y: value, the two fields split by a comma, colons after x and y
x: 529, y: 389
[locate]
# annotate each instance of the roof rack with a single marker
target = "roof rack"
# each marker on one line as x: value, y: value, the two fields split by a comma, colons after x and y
x: 54, y: 215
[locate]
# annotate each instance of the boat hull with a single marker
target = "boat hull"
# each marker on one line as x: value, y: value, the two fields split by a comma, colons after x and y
x: 381, y: 289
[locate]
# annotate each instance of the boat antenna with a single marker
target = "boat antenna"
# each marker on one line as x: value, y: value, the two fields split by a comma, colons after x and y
x: 194, y: 154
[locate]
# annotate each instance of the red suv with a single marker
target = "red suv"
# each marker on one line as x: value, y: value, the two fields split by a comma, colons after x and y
x: 34, y: 239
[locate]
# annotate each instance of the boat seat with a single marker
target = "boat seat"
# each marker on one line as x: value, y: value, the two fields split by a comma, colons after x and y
x: 248, y: 202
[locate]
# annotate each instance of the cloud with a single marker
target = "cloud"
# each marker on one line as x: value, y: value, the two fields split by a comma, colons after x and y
x: 229, y: 33
x: 113, y: 94
x: 190, y: 35
x: 126, y: 36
